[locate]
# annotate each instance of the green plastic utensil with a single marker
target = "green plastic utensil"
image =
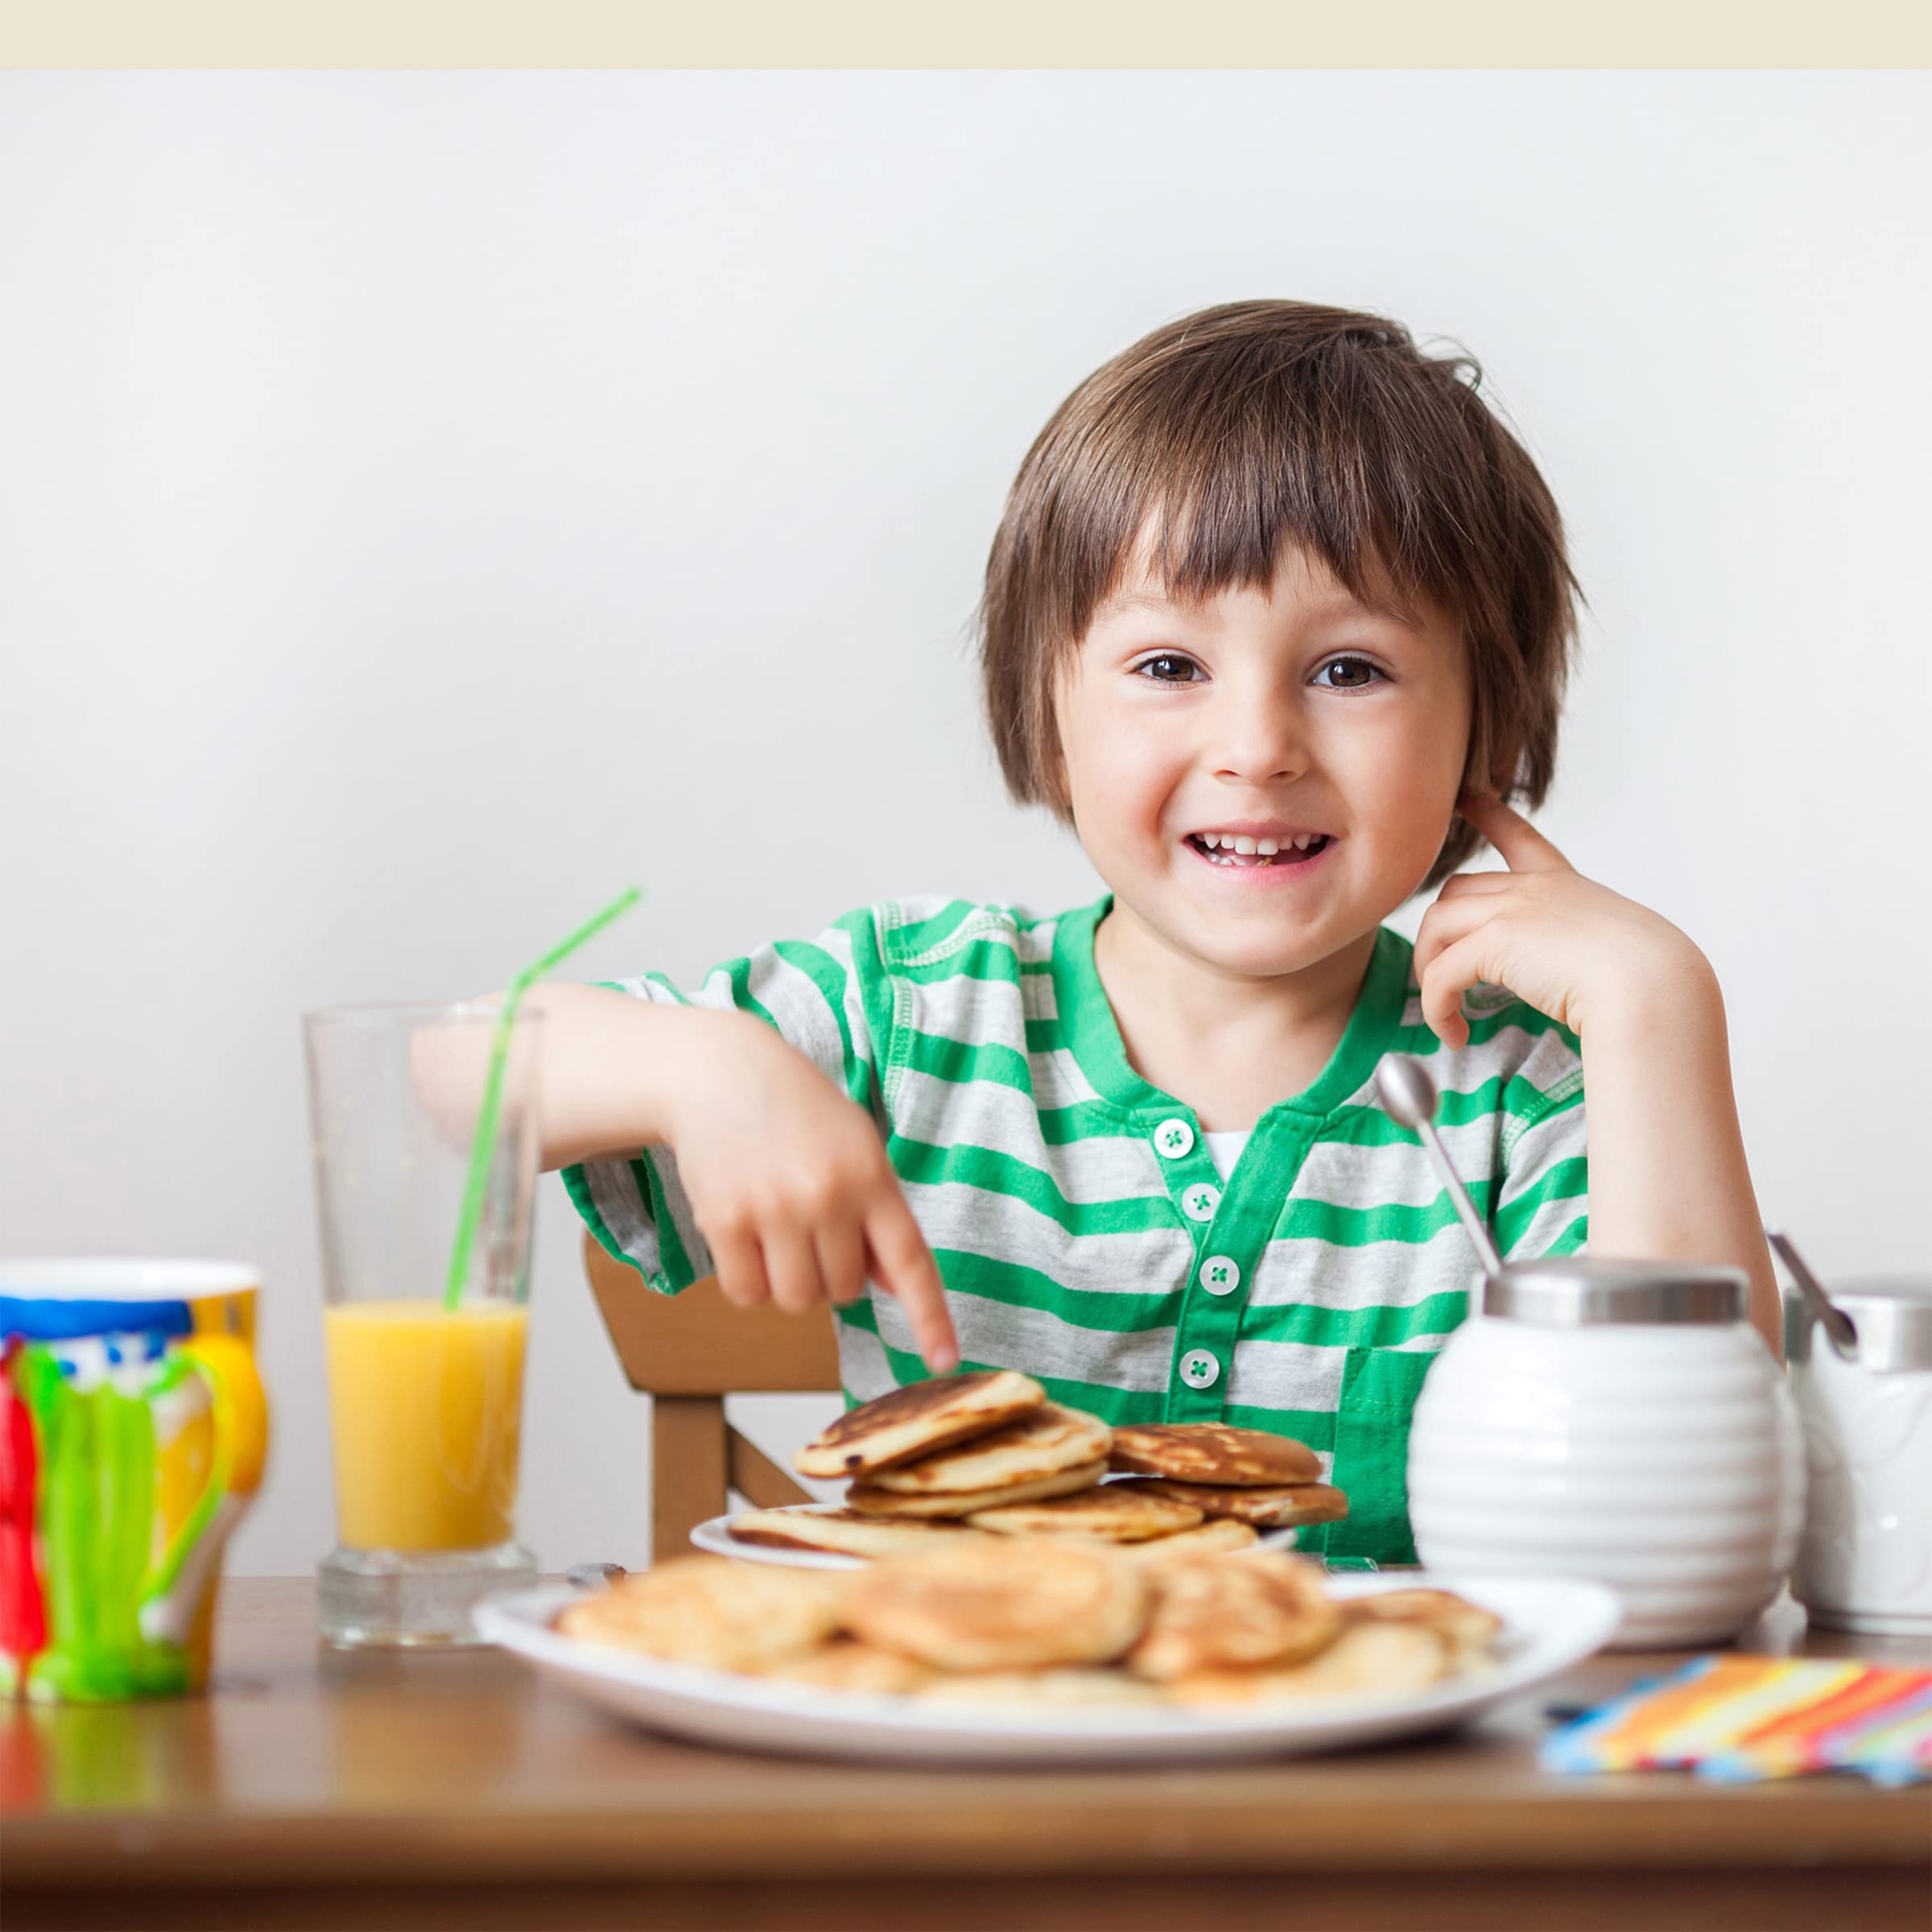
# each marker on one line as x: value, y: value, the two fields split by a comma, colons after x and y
x: 483, y: 1143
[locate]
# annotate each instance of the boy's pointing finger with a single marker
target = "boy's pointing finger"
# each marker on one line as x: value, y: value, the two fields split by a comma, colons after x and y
x: 906, y: 1269
x: 1523, y: 848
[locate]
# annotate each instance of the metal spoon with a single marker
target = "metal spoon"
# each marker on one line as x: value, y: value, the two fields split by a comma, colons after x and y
x: 587, y: 1576
x: 1409, y: 1094
x: 1838, y: 1327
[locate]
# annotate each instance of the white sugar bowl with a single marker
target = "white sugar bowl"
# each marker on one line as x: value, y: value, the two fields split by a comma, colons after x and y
x: 1620, y: 1421
x: 1865, y: 1562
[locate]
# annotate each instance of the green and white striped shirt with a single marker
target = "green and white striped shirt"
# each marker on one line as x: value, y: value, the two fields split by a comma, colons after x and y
x: 1083, y: 1232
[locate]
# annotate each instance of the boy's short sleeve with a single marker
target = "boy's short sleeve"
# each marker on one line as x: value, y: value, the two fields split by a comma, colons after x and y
x: 827, y: 997
x: 1543, y: 1207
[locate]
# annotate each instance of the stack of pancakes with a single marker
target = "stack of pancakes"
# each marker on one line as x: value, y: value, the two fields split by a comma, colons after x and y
x: 1241, y: 1476
x: 983, y: 1620
x: 970, y: 1457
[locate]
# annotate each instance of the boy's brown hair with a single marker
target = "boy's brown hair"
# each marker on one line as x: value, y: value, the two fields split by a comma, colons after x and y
x: 1239, y: 429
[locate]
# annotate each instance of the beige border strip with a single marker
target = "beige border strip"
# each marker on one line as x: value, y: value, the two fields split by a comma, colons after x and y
x: 1035, y: 34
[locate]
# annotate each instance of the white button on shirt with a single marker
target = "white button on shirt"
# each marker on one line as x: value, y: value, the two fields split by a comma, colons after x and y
x: 1199, y: 1202
x: 1199, y: 1369
x: 1219, y: 1275
x: 1173, y: 1138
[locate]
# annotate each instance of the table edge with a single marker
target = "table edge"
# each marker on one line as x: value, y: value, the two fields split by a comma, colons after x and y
x: 1884, y: 1828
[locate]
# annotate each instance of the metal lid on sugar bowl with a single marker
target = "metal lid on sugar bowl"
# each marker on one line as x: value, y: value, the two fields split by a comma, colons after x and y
x: 1580, y: 1291
x: 1892, y: 1314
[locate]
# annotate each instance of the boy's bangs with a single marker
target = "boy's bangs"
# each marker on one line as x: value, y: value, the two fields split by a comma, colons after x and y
x: 1193, y: 547
x: 1201, y: 513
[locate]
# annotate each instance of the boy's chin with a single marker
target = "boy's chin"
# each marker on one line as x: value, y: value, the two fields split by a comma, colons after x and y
x: 1258, y: 960
x: 1259, y: 944
x: 1260, y: 949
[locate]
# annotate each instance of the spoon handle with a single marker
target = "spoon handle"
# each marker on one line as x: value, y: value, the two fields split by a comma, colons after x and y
x: 1836, y: 1324
x: 1408, y: 1095
x: 1459, y: 1196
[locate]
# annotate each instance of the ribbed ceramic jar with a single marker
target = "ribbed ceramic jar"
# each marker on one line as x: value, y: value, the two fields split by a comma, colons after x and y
x: 1619, y: 1422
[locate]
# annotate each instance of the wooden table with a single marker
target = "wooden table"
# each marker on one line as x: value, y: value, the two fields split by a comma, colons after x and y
x: 315, y: 1788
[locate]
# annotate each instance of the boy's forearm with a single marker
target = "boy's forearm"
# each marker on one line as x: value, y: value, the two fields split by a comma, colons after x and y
x: 611, y: 1066
x: 1668, y: 1177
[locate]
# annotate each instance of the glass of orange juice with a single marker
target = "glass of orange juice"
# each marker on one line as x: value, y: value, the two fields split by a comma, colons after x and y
x: 426, y: 1393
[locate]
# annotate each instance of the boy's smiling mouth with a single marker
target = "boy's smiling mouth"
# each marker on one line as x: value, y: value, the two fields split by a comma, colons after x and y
x: 1254, y: 849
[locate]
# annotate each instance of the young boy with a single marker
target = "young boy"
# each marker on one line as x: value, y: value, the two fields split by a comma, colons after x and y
x: 1277, y: 617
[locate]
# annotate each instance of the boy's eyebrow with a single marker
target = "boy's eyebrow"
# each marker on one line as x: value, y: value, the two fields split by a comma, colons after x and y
x: 1339, y: 604
x: 1133, y: 600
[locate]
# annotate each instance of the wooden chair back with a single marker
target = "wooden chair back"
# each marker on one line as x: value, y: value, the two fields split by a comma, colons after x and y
x: 687, y: 1352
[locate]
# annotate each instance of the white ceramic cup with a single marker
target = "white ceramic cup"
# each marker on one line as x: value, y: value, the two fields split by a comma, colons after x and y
x: 1865, y: 1561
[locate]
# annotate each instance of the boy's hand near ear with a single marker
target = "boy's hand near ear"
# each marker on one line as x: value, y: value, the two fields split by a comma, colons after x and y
x: 1667, y: 1176
x: 1570, y: 948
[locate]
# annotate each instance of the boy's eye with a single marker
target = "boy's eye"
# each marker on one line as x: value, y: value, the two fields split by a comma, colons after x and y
x: 1348, y: 674
x: 1169, y: 667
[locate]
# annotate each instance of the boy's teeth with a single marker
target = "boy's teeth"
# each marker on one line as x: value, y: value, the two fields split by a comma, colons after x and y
x: 1231, y: 847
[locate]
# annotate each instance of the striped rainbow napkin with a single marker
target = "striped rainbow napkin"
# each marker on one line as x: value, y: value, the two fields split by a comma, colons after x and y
x: 1739, y: 1718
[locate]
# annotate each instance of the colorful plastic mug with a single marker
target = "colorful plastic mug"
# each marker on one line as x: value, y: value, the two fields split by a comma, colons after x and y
x: 133, y: 1430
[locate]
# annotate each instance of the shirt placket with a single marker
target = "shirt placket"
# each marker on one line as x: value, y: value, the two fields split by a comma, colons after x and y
x: 1212, y: 1297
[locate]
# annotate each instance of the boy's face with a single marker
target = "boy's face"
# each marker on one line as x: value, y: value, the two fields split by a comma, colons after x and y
x: 1197, y: 736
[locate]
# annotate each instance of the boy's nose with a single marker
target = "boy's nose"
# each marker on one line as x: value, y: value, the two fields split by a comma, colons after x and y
x: 1259, y: 743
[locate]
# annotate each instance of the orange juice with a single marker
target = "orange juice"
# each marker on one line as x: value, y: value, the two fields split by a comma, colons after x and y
x: 426, y: 1406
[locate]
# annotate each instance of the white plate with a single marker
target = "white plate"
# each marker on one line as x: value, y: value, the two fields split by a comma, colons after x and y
x: 714, y: 1534
x: 1549, y: 1623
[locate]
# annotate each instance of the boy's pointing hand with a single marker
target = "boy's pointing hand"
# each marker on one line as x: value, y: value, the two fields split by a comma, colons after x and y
x: 1570, y: 948
x: 790, y: 1186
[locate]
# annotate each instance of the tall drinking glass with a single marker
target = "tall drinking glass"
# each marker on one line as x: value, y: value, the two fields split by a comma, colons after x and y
x: 426, y: 1399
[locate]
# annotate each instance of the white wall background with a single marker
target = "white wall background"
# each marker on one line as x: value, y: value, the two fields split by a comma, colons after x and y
x: 427, y: 503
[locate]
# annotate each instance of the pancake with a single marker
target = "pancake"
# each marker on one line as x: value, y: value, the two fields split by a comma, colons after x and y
x: 1219, y: 1536
x: 914, y: 1420
x: 711, y: 1611
x: 1285, y: 1507
x: 1050, y: 1439
x: 1212, y: 1452
x: 1466, y: 1628
x: 846, y: 1664
x: 1109, y: 1514
x: 1000, y: 1605
x: 1440, y: 1609
x: 873, y: 1501
x: 1071, y: 1687
x: 844, y: 1532
x: 1268, y: 1608
x: 1369, y: 1659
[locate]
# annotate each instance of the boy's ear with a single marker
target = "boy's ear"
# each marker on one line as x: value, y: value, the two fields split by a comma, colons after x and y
x: 1504, y: 762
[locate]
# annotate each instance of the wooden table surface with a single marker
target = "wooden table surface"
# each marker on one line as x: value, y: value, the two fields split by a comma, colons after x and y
x: 315, y: 1787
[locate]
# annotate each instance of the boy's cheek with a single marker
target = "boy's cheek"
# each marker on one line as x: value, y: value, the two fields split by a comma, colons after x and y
x: 1405, y: 830
x: 1113, y: 788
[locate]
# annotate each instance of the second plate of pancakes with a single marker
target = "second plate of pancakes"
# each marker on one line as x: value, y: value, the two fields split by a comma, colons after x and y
x: 951, y: 1461
x: 715, y: 1536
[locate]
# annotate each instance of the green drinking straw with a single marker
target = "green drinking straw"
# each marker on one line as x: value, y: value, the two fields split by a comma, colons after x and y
x: 483, y: 1145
